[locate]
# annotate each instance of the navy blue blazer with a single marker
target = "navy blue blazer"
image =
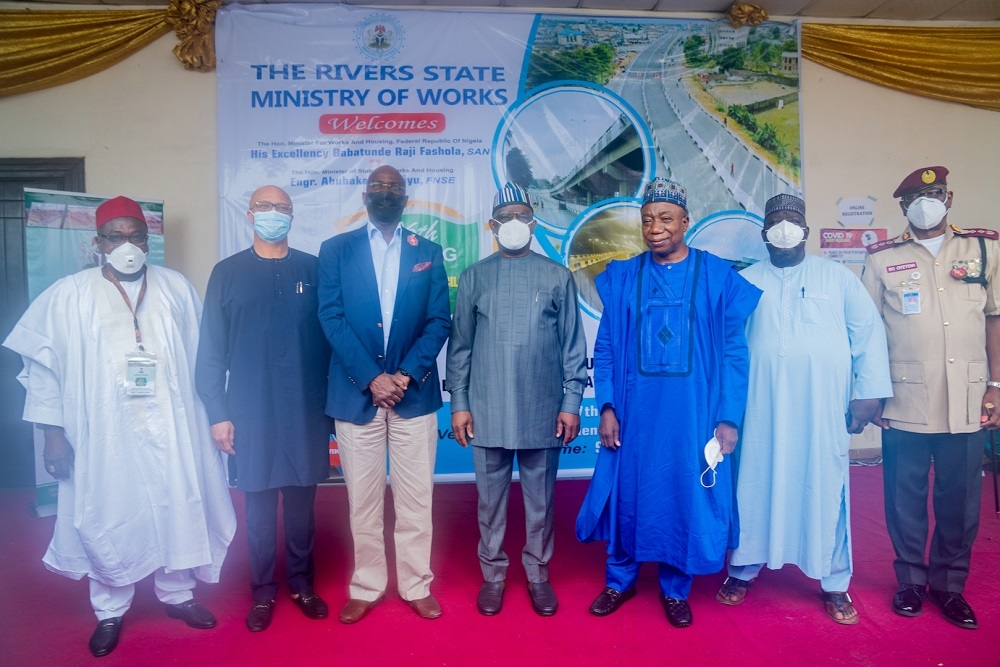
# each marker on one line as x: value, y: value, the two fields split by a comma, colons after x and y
x: 350, y: 313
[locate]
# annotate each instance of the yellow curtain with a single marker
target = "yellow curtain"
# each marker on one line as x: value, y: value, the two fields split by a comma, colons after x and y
x: 954, y: 64
x: 41, y: 49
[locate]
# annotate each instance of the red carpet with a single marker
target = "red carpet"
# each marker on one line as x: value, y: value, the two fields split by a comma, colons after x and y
x: 48, y: 617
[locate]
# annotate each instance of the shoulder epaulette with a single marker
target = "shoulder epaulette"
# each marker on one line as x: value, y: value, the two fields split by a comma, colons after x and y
x: 882, y: 245
x: 976, y: 231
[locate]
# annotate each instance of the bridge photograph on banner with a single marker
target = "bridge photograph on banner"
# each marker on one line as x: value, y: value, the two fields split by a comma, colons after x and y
x: 579, y: 110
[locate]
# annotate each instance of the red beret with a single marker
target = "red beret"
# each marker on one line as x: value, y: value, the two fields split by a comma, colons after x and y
x: 119, y: 207
x: 920, y: 179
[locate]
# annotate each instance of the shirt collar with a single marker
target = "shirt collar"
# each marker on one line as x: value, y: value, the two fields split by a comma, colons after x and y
x: 373, y: 230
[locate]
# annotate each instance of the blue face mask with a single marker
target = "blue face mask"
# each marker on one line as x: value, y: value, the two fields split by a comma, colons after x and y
x: 271, y: 226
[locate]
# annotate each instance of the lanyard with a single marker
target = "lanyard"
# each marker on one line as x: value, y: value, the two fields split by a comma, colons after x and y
x: 142, y: 293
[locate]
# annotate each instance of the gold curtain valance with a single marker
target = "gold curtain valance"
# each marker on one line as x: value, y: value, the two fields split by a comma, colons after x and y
x: 41, y: 49
x: 954, y: 64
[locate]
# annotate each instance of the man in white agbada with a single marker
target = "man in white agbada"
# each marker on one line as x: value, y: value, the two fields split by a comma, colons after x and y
x: 816, y: 340
x: 142, y: 489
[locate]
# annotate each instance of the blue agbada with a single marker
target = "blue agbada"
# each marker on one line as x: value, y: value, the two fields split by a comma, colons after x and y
x: 260, y: 326
x: 671, y: 358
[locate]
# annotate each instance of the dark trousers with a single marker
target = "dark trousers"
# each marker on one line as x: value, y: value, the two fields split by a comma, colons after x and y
x: 262, y: 536
x: 906, y: 461
x: 537, y: 470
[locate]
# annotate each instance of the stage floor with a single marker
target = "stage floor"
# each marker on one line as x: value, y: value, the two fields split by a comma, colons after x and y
x: 782, y: 621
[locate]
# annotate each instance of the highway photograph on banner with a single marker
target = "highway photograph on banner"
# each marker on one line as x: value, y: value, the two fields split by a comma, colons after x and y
x: 580, y: 111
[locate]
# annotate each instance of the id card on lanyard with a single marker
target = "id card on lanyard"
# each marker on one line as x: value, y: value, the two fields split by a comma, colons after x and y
x: 140, y: 364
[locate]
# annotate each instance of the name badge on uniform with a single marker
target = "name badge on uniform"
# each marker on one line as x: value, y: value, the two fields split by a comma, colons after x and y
x: 140, y: 373
x: 911, y: 302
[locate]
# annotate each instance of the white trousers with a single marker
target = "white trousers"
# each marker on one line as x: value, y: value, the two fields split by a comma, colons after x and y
x: 171, y: 587
x: 412, y: 446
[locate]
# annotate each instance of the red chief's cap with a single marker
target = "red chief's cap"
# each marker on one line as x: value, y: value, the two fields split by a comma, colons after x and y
x: 920, y: 179
x: 119, y: 207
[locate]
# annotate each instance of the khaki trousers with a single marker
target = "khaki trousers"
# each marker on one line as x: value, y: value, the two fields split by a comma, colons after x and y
x: 412, y: 445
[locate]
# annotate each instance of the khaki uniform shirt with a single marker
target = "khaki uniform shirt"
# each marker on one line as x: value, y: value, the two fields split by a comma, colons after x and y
x: 936, y: 327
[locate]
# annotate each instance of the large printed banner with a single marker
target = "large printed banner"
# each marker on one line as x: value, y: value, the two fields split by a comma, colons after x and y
x: 580, y: 110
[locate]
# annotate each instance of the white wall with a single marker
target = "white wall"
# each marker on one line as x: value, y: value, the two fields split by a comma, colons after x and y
x: 861, y: 139
x: 146, y: 129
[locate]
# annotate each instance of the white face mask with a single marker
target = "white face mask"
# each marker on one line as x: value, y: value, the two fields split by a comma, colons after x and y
x: 713, y: 457
x: 514, y: 235
x: 127, y: 259
x: 785, y: 234
x: 926, y: 212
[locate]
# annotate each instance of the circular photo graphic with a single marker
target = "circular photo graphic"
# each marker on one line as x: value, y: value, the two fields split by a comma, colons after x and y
x: 732, y: 235
x: 572, y: 146
x: 606, y: 232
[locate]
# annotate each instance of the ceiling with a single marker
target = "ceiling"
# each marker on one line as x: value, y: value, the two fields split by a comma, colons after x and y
x: 877, y: 10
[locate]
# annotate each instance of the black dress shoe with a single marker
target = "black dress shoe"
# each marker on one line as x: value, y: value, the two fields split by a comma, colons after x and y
x: 543, y: 598
x: 192, y: 613
x: 609, y: 600
x: 259, y: 617
x: 908, y: 600
x: 955, y: 609
x: 311, y: 605
x: 105, y: 637
x: 490, y: 599
x: 678, y: 611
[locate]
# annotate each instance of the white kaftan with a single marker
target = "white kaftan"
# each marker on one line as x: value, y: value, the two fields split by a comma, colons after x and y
x: 816, y: 341
x: 148, y: 487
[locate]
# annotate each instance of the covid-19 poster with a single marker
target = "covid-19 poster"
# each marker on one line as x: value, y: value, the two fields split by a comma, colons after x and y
x: 579, y: 110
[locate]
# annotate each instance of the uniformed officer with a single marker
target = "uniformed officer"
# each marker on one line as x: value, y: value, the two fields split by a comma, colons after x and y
x: 938, y: 289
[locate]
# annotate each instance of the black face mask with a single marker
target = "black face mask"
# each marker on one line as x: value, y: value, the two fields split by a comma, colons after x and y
x: 385, y: 207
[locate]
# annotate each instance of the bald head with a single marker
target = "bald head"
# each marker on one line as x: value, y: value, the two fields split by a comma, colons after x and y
x: 271, y: 194
x: 270, y: 214
x: 387, y: 174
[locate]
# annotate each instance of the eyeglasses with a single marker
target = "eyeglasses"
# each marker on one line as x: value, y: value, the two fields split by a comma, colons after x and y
x: 375, y: 186
x: 265, y: 206
x: 118, y: 239
x: 503, y: 218
x: 934, y: 193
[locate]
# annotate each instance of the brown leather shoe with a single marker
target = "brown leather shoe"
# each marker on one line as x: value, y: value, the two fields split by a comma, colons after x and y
x: 426, y: 607
x: 355, y: 610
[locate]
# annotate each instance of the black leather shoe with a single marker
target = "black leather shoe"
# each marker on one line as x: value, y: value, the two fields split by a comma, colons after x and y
x: 909, y: 600
x: 490, y: 599
x: 311, y: 605
x: 543, y: 598
x: 105, y: 637
x: 259, y: 617
x: 609, y: 600
x: 678, y: 611
x: 955, y: 609
x: 192, y: 613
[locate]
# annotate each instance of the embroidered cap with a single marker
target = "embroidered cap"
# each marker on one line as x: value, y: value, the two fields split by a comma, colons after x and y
x: 660, y: 189
x: 119, y: 207
x: 785, y: 202
x: 920, y: 179
x: 511, y: 193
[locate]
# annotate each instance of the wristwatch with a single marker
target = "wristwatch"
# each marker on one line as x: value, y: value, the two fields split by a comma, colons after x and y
x: 992, y: 383
x: 406, y: 375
